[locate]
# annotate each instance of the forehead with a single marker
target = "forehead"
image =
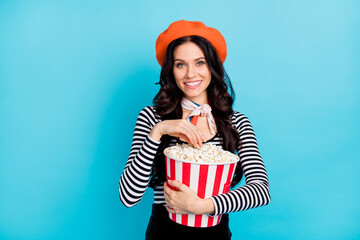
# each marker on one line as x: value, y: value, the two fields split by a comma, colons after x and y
x: 188, y: 51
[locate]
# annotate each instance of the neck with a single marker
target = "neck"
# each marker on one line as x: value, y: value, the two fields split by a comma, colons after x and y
x: 199, y: 100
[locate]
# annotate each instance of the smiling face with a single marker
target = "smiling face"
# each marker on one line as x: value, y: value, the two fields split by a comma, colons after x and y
x: 191, y: 71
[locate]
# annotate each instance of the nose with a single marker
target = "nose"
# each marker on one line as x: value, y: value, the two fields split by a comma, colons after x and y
x: 191, y: 71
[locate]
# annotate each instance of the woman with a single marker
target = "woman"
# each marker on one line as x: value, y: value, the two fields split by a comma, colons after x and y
x: 193, y: 87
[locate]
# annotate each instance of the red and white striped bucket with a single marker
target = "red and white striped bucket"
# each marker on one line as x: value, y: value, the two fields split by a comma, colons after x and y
x: 206, y: 179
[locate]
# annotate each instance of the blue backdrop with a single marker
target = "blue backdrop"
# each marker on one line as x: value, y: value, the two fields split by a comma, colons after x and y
x: 75, y: 74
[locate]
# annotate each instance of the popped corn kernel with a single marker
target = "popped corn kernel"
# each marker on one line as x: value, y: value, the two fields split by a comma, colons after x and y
x: 208, y: 153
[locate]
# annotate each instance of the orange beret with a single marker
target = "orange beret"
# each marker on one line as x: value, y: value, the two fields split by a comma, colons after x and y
x: 185, y: 28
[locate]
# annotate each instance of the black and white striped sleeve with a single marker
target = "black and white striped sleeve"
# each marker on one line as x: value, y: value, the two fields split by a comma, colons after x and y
x: 255, y: 192
x: 135, y: 177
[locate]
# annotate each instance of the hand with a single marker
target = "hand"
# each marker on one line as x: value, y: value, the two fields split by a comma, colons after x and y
x: 185, y: 200
x: 181, y: 128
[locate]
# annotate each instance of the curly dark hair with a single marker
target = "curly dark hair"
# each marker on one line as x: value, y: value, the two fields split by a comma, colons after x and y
x: 167, y: 103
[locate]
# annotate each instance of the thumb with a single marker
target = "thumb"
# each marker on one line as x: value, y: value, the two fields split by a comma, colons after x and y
x: 177, y: 184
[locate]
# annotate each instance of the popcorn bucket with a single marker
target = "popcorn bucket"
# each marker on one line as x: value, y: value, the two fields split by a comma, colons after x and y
x: 206, y: 179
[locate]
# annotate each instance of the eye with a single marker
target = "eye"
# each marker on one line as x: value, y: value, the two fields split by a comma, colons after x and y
x: 199, y: 63
x: 179, y: 65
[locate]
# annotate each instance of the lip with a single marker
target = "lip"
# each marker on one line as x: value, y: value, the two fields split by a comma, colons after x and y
x: 193, y: 87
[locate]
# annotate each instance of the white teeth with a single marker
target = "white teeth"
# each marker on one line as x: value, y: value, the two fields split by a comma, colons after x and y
x: 192, y: 83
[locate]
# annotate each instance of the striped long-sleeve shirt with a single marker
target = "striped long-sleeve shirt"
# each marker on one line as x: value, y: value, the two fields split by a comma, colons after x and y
x: 135, y: 177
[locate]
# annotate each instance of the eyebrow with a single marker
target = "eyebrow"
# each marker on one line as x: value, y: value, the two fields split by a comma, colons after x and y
x: 184, y: 61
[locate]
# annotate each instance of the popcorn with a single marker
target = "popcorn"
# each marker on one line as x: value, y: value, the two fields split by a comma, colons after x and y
x: 208, y: 153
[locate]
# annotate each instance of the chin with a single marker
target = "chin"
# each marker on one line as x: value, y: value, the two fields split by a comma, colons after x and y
x: 193, y: 96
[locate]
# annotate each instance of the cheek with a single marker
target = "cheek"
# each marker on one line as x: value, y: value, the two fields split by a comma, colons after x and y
x: 177, y: 75
x: 204, y: 71
x: 178, y: 84
x: 177, y: 80
x: 206, y: 74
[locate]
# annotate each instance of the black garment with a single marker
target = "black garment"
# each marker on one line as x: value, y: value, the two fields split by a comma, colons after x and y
x: 162, y: 227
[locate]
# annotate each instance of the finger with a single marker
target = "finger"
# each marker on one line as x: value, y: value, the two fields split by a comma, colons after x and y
x: 194, y: 134
x: 170, y: 210
x: 176, y: 184
x: 176, y: 128
x: 190, y: 135
x: 199, y: 135
x: 198, y: 139
x: 167, y: 190
x: 168, y: 204
x: 184, y: 138
x: 176, y: 211
x: 166, y: 196
x: 182, y: 187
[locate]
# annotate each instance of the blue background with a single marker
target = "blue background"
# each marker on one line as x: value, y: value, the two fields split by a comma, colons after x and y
x: 75, y: 74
